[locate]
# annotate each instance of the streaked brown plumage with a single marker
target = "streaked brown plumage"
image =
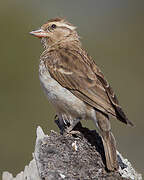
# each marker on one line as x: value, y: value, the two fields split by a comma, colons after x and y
x: 69, y: 69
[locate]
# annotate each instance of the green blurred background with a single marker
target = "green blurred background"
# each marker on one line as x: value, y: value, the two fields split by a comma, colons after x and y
x: 112, y: 32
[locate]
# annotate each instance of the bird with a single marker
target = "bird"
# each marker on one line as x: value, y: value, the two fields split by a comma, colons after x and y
x: 75, y: 85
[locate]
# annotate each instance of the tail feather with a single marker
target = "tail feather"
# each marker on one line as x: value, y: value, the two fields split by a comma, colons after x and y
x: 110, y: 152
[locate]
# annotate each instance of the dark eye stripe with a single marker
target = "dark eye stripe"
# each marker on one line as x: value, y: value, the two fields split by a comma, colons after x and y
x: 48, y: 29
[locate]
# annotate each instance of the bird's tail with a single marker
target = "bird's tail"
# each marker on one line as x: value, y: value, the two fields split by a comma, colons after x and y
x: 109, y: 142
x: 110, y: 150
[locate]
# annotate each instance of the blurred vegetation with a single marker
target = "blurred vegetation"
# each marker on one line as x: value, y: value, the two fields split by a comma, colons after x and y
x: 111, y: 31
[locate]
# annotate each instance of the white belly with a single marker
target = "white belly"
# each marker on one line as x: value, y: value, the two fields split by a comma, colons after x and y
x: 62, y: 99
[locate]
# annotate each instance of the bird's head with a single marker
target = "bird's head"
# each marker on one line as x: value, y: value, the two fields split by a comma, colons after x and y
x: 55, y: 31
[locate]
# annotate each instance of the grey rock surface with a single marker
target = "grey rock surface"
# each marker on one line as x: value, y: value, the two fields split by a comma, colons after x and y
x: 72, y: 157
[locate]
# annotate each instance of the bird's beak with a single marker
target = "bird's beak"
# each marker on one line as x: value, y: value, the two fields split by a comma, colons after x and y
x: 39, y: 33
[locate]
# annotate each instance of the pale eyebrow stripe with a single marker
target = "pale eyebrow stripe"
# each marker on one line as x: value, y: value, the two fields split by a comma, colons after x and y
x: 65, y: 25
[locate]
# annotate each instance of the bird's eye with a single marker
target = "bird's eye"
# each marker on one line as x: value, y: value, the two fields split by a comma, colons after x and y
x: 53, y: 26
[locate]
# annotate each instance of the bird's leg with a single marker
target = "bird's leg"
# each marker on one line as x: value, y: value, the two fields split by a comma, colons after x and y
x: 109, y: 142
x: 67, y: 123
x: 72, y: 123
x: 60, y: 123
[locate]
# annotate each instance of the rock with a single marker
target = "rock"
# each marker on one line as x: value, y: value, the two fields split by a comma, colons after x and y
x: 72, y: 157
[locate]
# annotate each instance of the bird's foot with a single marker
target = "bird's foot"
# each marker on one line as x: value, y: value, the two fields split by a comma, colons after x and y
x: 71, y: 131
x: 63, y: 122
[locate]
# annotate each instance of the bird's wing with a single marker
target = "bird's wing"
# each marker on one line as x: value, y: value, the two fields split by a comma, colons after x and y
x: 77, y: 72
x: 112, y: 97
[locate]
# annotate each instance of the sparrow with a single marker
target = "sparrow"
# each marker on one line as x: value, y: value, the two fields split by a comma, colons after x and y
x: 76, y: 86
